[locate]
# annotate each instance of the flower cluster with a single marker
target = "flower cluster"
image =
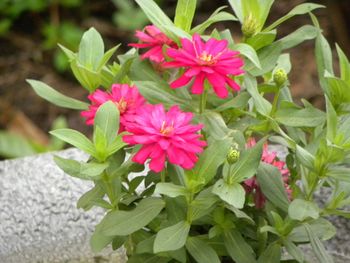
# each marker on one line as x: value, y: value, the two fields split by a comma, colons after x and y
x: 252, y: 186
x: 210, y: 61
x: 163, y: 135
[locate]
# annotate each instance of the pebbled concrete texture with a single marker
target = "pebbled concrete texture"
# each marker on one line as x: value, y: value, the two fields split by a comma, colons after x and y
x: 39, y: 221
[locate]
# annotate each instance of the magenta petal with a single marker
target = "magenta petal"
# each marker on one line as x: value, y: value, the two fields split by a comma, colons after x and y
x: 157, y: 164
x: 198, y: 85
x: 180, y: 82
x: 142, y: 155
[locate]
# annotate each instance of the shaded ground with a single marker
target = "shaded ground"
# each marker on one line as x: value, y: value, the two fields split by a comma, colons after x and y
x: 21, y: 57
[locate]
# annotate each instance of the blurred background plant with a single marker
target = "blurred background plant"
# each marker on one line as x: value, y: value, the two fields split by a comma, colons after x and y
x: 31, y: 29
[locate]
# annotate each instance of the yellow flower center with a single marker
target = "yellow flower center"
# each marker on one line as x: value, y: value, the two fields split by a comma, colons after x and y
x: 166, y: 130
x: 206, y: 59
x: 122, y: 105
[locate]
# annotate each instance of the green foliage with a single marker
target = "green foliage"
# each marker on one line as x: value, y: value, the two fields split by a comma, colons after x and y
x: 247, y: 208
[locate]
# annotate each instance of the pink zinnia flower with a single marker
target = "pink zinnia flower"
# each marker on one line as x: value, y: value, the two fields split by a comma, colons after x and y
x: 211, y: 61
x: 155, y: 40
x: 126, y: 98
x: 165, y: 135
x: 252, y: 185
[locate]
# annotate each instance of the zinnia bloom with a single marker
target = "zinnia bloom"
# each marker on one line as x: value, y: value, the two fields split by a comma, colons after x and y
x: 126, y: 98
x: 211, y: 61
x: 252, y: 185
x: 165, y: 135
x: 153, y: 39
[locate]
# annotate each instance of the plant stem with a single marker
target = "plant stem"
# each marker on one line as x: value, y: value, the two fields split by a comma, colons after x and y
x: 162, y: 176
x: 274, y: 103
x: 203, y: 101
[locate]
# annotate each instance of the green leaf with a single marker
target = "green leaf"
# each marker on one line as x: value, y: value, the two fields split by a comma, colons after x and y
x: 14, y: 146
x: 69, y: 54
x: 217, y: 16
x: 99, y: 241
x: 171, y: 238
x: 116, y: 145
x: 249, y: 53
x: 154, y: 93
x: 321, y: 227
x: 171, y: 190
x: 88, y: 78
x: 211, y: 159
x: 340, y: 173
x: 344, y: 65
x: 272, y: 186
x: 86, y: 201
x: 233, y: 194
x: 262, y: 105
x: 272, y: 254
x: 304, y: 157
x: 203, y: 204
x: 298, y: 10
x: 76, y: 139
x: 82, y: 170
x: 262, y: 39
x: 107, y: 118
x: 303, y: 33
x: 268, y: 57
x: 338, y: 90
x: 301, y: 209
x: 247, y: 164
x: 323, y: 60
x: 317, y: 246
x: 239, y: 101
x: 107, y: 57
x: 91, y: 49
x: 201, y: 251
x: 332, y: 120
x: 290, y: 115
x: 53, y: 96
x: 154, y: 13
x: 122, y: 223
x: 214, y: 125
x: 238, y: 249
x: 237, y: 8
x: 293, y: 250
x: 184, y: 13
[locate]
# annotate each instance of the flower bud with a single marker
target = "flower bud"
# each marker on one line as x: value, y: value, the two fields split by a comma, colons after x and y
x: 250, y: 26
x: 233, y: 154
x: 280, y: 77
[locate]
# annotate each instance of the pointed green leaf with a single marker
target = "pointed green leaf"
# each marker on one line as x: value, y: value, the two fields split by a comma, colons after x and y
x: 298, y: 10
x: 301, y: 209
x: 107, y: 118
x: 184, y: 13
x: 53, y: 96
x: 201, y: 251
x: 91, y: 49
x: 154, y: 13
x: 171, y: 238
x: 272, y: 186
x: 122, y: 223
x: 233, y: 194
x: 317, y: 246
x: 247, y: 164
x: 75, y: 138
x: 238, y: 249
x: 249, y: 53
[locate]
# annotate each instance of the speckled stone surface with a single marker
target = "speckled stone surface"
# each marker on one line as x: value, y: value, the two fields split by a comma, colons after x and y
x: 39, y: 221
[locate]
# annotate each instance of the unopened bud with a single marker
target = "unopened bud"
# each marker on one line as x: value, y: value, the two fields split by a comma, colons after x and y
x: 233, y: 154
x: 280, y: 77
x: 250, y: 26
